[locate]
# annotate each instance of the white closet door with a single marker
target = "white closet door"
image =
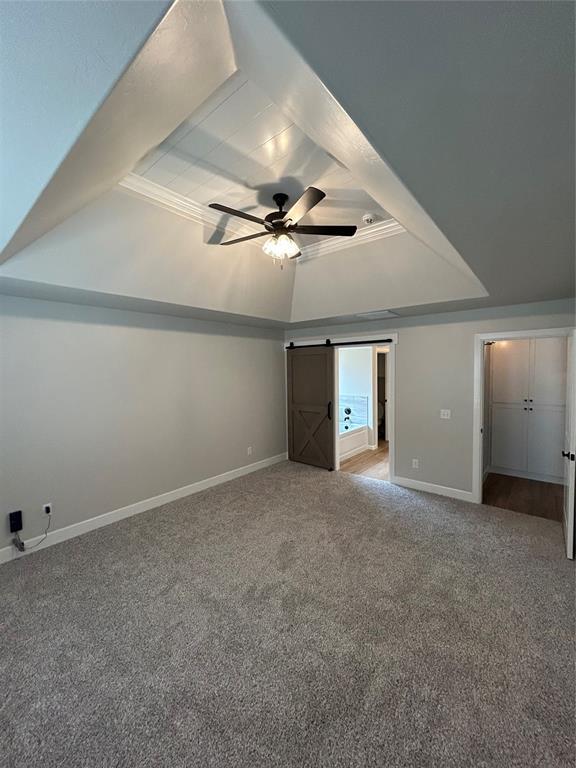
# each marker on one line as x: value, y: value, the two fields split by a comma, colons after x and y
x: 548, y: 372
x: 510, y: 371
x: 509, y: 426
x: 545, y: 442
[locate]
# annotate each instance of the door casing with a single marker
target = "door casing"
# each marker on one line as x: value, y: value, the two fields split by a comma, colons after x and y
x: 390, y: 376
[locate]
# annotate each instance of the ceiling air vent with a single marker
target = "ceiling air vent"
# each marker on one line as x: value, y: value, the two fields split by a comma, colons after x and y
x: 378, y: 315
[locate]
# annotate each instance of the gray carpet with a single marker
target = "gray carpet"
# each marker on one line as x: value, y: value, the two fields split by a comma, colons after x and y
x: 293, y: 618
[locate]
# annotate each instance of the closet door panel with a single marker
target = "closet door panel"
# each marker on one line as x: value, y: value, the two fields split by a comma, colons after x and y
x: 545, y: 441
x: 509, y: 437
x: 510, y: 371
x: 548, y: 371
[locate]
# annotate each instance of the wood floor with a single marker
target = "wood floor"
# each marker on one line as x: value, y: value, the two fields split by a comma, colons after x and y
x: 369, y: 463
x: 528, y: 496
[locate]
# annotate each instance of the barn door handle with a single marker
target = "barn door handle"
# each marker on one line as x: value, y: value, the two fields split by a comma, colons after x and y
x: 568, y: 455
x: 330, y: 410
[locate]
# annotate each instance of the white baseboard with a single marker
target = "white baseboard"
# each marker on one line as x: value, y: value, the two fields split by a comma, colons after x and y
x: 77, y: 529
x: 441, y: 490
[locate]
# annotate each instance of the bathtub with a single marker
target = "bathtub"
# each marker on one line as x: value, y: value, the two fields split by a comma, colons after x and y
x: 353, y: 441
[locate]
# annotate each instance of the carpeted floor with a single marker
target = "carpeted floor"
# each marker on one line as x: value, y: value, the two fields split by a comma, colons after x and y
x: 293, y: 618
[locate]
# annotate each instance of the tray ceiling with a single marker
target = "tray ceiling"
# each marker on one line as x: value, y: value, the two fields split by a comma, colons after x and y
x: 239, y: 149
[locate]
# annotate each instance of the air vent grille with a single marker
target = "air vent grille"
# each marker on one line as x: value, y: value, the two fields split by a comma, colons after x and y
x: 378, y: 315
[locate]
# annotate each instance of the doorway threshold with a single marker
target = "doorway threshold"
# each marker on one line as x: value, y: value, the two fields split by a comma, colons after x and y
x: 370, y: 463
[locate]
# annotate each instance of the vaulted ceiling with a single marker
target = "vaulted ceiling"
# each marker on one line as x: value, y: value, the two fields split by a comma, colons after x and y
x: 441, y: 137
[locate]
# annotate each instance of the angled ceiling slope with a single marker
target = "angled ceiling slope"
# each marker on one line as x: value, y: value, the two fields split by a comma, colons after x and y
x: 306, y: 99
x: 58, y: 62
x: 122, y: 247
x: 472, y: 105
x: 187, y: 56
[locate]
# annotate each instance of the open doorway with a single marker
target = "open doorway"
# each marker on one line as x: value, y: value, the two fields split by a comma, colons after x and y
x: 524, y: 459
x: 363, y: 443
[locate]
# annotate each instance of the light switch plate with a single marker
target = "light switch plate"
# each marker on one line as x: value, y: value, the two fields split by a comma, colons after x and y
x: 445, y: 413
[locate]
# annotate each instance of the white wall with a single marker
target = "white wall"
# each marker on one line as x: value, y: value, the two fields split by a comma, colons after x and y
x: 355, y: 377
x: 355, y: 370
x: 102, y: 408
x: 434, y: 370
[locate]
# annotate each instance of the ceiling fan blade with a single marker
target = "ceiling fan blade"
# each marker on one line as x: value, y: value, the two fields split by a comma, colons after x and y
x: 234, y: 212
x: 247, y: 237
x: 309, y: 198
x: 296, y: 255
x: 324, y: 230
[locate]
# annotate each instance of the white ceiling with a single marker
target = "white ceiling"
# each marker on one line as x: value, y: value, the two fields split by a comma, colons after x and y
x: 181, y: 62
x: 239, y: 149
x: 57, y: 63
x: 475, y: 114
x: 134, y: 249
x: 453, y: 141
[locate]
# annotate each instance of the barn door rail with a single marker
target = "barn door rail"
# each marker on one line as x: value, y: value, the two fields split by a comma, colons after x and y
x: 328, y: 343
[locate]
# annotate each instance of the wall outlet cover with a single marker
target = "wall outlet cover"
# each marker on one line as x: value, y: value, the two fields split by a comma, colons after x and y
x: 445, y: 413
x: 415, y: 463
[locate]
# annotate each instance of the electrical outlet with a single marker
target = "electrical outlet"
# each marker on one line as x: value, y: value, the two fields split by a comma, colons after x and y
x: 47, y: 509
x: 249, y: 450
x: 445, y: 413
x: 415, y: 463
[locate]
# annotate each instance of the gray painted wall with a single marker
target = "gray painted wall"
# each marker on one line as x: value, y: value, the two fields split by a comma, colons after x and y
x: 101, y: 408
x: 434, y: 370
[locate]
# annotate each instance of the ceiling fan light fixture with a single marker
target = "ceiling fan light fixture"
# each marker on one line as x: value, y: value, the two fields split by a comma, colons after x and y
x: 280, y: 247
x: 279, y: 224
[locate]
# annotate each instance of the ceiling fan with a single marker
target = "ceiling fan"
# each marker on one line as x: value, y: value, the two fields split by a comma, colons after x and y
x: 280, y: 225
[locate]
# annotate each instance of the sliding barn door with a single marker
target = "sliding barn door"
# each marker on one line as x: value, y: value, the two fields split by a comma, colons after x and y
x: 311, y: 406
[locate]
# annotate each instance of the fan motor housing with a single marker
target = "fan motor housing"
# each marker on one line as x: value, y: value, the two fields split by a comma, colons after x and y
x: 280, y: 198
x: 274, y: 215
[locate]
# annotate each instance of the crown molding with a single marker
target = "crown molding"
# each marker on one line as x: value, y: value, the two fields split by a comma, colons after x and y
x: 202, y: 214
x: 365, y: 235
x: 183, y: 206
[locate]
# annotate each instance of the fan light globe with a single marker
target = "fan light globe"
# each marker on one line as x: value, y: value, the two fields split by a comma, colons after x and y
x: 280, y: 247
